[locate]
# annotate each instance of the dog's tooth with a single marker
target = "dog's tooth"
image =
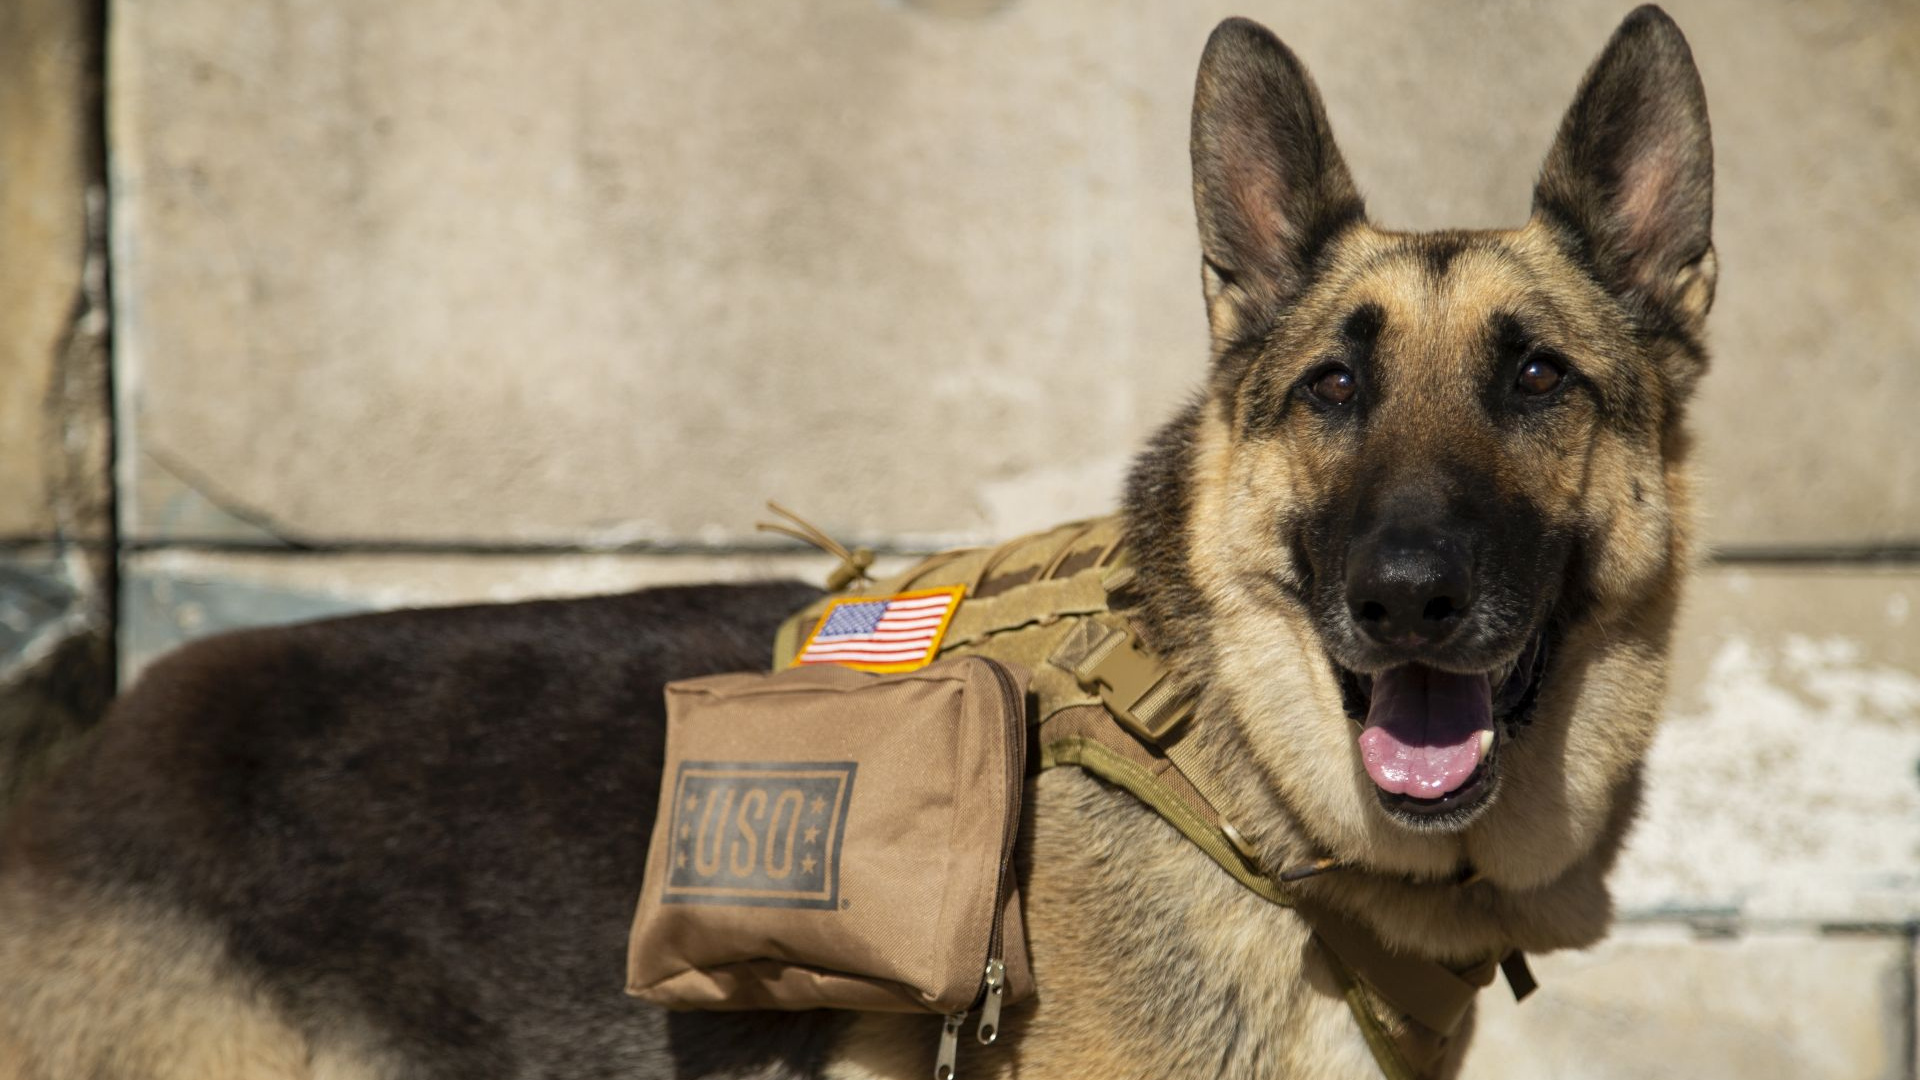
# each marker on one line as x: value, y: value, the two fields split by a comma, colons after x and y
x: 1486, y: 743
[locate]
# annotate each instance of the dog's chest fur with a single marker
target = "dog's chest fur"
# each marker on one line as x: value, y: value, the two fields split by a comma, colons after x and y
x: 1152, y: 961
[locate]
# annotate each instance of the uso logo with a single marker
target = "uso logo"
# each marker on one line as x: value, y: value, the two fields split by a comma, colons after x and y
x: 758, y: 833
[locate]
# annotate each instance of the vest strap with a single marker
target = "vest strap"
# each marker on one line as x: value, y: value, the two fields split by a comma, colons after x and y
x: 1431, y: 993
x: 1134, y: 686
x: 1089, y: 739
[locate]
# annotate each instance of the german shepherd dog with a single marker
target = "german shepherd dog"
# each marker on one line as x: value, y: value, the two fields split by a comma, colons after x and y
x: 1419, y: 543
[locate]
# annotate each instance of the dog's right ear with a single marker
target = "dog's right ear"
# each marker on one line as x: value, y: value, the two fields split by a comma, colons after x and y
x: 1268, y: 182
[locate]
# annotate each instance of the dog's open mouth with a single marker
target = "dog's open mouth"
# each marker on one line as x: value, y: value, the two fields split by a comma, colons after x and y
x: 1430, y: 739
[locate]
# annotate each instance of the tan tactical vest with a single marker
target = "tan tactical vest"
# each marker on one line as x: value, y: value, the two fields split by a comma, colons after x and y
x: 1106, y: 705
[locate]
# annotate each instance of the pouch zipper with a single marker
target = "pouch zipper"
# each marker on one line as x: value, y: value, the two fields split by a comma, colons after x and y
x: 949, y: 1046
x: 993, y: 985
x: 993, y: 973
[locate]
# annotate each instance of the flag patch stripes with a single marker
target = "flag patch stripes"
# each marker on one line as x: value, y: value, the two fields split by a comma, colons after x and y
x: 889, y: 633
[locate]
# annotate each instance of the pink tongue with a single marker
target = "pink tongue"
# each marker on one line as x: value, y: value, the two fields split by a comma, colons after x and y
x: 1422, y: 736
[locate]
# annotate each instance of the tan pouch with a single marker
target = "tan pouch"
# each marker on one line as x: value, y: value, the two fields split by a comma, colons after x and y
x: 829, y: 838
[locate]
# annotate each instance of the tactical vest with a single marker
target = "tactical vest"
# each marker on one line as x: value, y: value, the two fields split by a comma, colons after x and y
x: 1103, y: 703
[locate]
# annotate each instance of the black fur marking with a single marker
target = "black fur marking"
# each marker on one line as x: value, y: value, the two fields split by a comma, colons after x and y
x: 1362, y: 328
x: 1578, y: 595
x: 1327, y: 228
x: 1439, y: 253
x: 1157, y: 515
x: 1509, y: 343
x: 1270, y: 396
x: 434, y: 819
x: 1359, y: 333
x: 1511, y: 338
x: 1621, y: 402
x: 1270, y: 399
x: 1236, y: 366
x: 1627, y: 400
x: 1302, y: 563
x: 1459, y: 504
x: 1564, y: 224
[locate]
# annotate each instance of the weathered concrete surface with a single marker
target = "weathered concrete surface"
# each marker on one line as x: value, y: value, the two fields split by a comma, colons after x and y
x: 1786, y: 783
x: 56, y: 649
x: 609, y: 273
x: 176, y: 596
x: 38, y: 595
x: 53, y: 476
x: 1654, y: 1002
x: 55, y: 660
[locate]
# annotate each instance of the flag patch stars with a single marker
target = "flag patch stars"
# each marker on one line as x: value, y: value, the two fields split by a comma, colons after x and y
x: 893, y: 633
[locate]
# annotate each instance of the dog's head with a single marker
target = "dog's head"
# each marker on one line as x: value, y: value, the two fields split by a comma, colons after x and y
x: 1445, y: 468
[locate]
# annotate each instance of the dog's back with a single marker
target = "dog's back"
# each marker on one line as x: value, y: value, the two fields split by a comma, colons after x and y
x: 395, y: 844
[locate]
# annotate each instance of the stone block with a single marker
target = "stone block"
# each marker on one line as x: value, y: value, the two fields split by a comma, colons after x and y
x: 612, y: 274
x: 53, y: 397
x: 38, y: 597
x: 175, y: 596
x: 1786, y: 782
x: 56, y: 650
x: 1654, y: 1001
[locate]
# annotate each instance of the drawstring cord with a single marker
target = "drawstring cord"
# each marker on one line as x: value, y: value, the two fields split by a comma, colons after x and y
x: 853, y: 564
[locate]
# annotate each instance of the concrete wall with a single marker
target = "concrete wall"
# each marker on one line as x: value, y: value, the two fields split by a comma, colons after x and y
x: 56, y: 558
x: 439, y: 301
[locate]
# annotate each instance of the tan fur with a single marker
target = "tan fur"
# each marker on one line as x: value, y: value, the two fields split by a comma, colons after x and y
x: 91, y: 986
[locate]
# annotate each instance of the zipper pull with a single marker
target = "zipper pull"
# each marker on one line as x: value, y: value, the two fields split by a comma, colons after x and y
x: 949, y: 1046
x: 990, y: 1007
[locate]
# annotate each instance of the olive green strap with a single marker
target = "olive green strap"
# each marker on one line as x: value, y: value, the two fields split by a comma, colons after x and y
x: 1146, y: 698
x: 1114, y: 767
x: 1134, y: 686
x: 1041, y: 601
x: 786, y: 640
x: 1433, y: 994
x: 1380, y: 1041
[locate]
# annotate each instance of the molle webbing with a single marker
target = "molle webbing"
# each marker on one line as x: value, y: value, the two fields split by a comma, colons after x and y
x: 1023, y: 599
x: 1104, y: 704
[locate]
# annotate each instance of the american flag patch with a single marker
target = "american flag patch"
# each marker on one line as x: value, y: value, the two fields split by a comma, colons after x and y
x: 891, y: 633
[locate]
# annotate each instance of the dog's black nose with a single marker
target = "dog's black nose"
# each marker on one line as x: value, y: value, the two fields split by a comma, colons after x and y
x: 1408, y: 588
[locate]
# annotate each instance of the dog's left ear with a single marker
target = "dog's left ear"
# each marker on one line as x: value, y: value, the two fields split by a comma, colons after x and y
x: 1630, y: 178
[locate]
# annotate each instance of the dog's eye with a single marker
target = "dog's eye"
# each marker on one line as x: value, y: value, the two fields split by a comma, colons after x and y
x: 1334, y: 386
x: 1539, y: 375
